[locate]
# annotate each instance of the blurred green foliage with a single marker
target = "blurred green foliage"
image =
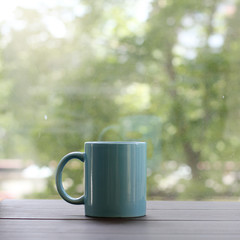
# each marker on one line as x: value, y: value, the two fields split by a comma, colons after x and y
x: 179, y: 66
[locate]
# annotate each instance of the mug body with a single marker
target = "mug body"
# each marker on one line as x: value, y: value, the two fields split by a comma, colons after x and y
x: 115, y: 179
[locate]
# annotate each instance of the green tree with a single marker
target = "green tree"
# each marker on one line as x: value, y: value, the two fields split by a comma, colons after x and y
x: 109, y: 67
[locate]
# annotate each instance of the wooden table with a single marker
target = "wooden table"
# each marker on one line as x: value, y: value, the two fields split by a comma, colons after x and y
x: 56, y: 219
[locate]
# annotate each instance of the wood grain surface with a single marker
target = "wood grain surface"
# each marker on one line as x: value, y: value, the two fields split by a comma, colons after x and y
x: 56, y: 219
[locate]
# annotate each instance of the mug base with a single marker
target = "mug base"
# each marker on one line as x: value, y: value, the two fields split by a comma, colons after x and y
x: 115, y: 217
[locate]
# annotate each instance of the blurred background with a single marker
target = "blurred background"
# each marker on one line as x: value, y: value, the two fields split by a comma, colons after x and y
x: 161, y: 71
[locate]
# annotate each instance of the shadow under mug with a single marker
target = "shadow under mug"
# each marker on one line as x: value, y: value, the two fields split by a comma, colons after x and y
x: 115, y: 179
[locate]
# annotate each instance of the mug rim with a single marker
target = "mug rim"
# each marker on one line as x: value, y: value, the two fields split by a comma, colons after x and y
x: 115, y: 142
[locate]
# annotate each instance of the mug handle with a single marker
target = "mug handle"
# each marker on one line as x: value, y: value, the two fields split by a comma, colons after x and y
x: 73, y: 155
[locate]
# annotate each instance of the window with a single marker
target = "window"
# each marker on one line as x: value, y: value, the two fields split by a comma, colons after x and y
x: 161, y: 71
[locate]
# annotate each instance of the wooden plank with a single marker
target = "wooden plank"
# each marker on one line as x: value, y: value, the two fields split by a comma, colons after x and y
x: 98, y: 229
x: 55, y: 236
x: 188, y: 205
x: 58, y: 209
x: 151, y: 205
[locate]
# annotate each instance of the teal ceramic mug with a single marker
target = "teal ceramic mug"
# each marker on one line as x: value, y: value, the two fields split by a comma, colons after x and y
x: 115, y: 179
